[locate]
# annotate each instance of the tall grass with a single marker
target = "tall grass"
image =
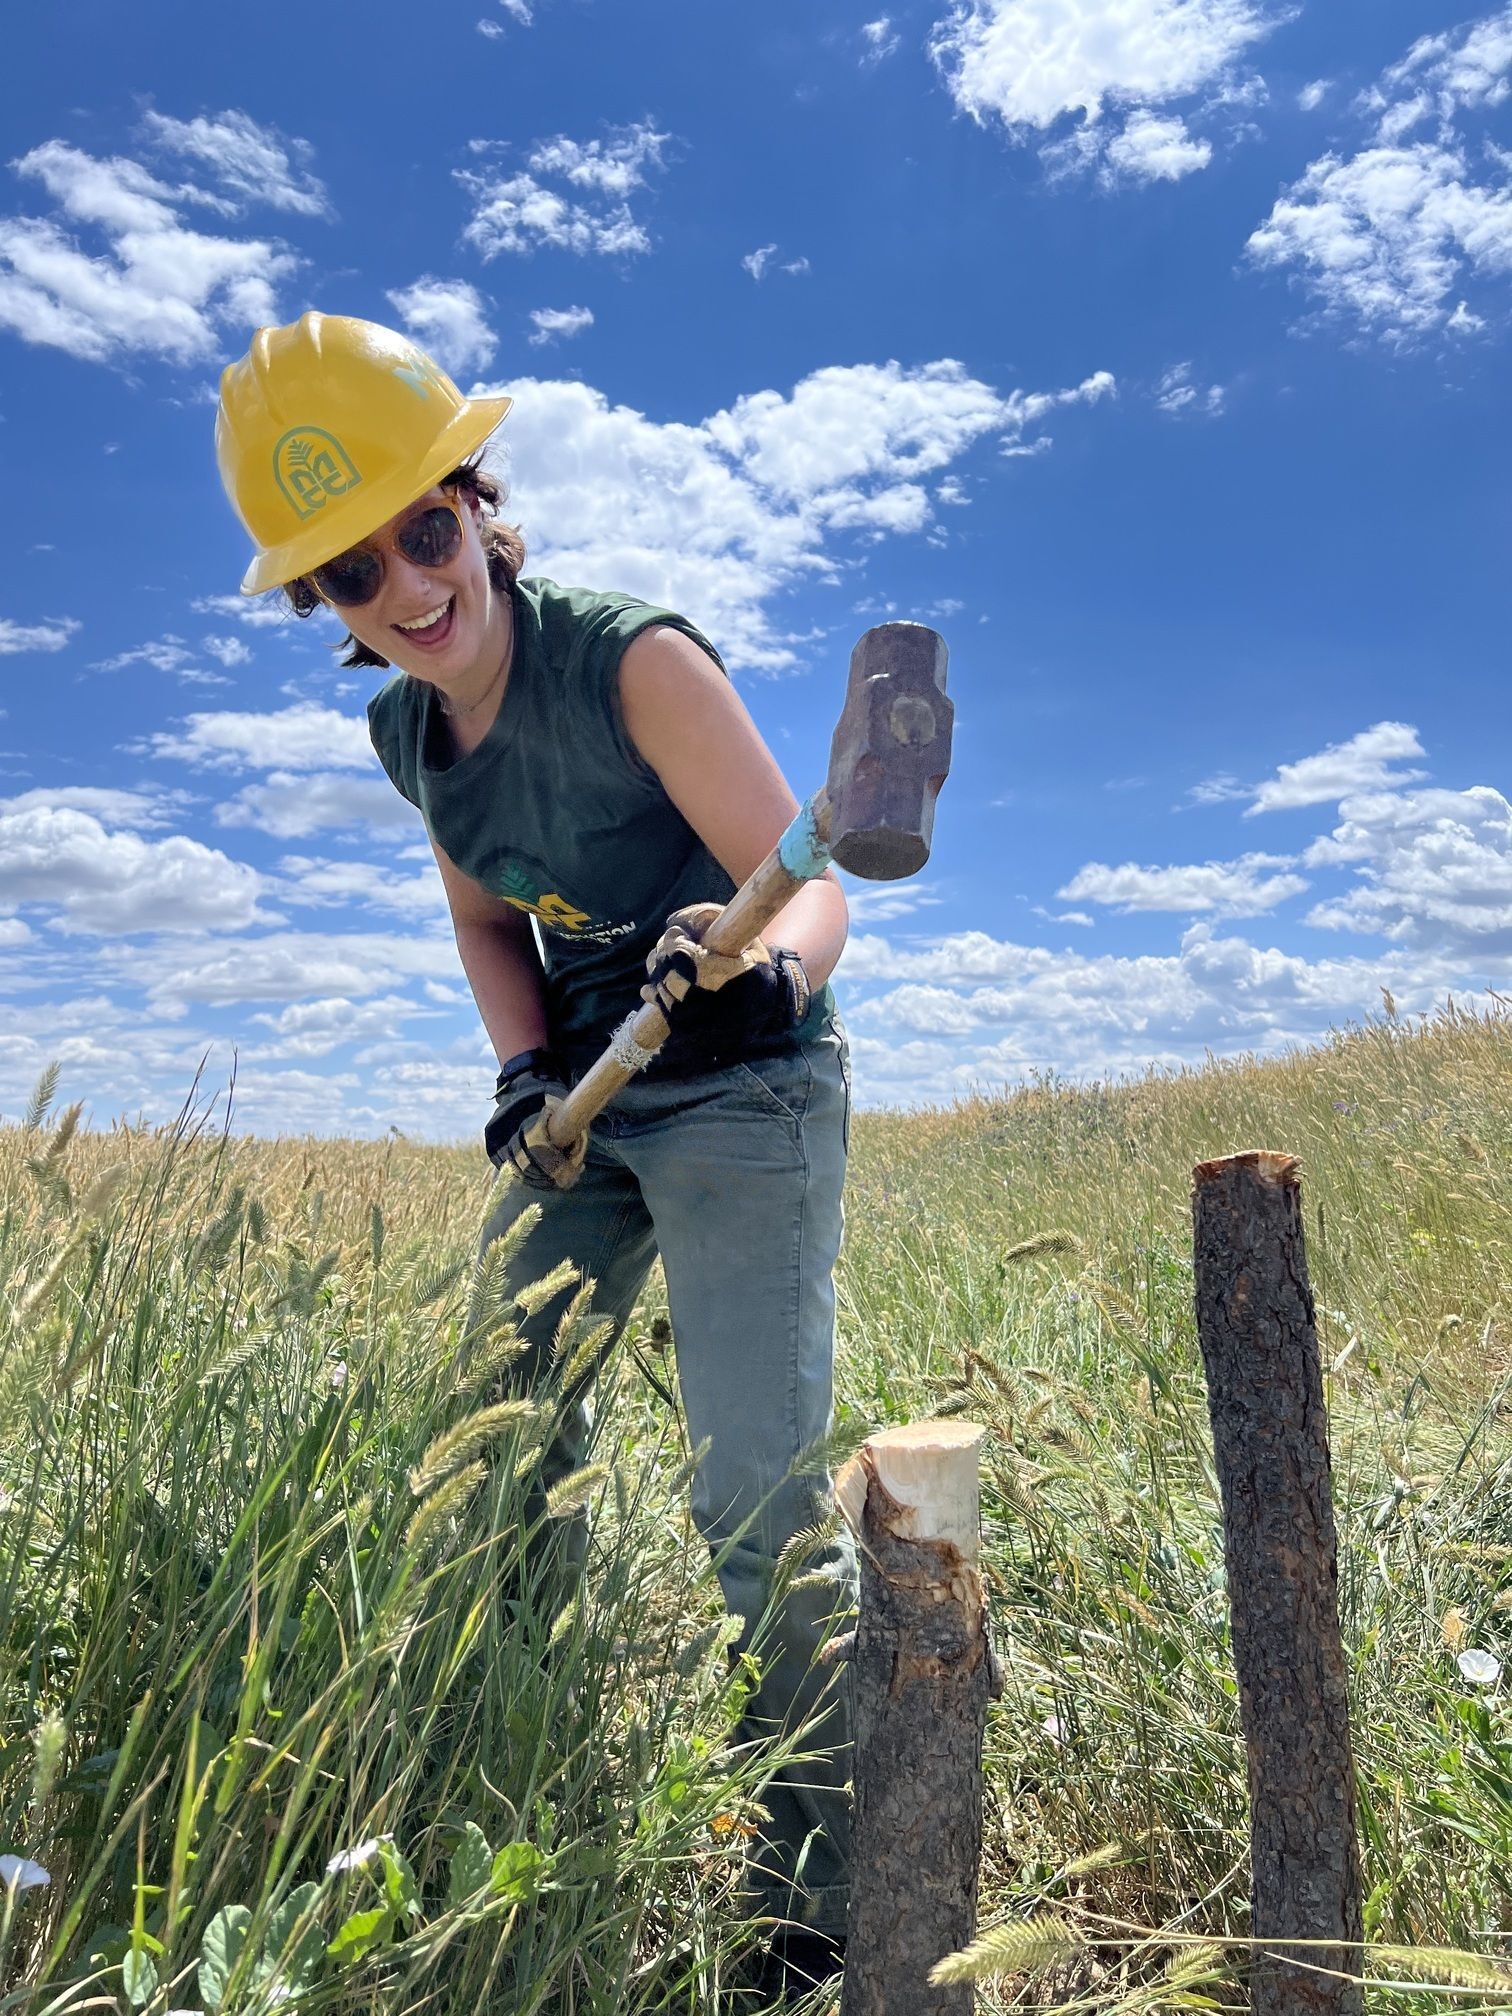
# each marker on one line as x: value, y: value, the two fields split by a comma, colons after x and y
x: 267, y: 1601
x: 295, y: 1699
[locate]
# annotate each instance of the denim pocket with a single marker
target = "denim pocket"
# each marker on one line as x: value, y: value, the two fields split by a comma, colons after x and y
x: 778, y: 1085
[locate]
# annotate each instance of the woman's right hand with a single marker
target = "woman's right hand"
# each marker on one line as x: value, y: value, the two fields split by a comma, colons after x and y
x: 529, y: 1088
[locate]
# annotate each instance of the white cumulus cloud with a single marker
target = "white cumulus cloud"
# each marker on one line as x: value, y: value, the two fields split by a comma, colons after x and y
x: 301, y: 737
x: 1433, y: 869
x: 520, y: 211
x: 1155, y: 149
x: 1388, y: 237
x: 158, y: 289
x: 295, y: 805
x: 449, y: 318
x: 1033, y: 64
x: 116, y: 883
x: 718, y: 518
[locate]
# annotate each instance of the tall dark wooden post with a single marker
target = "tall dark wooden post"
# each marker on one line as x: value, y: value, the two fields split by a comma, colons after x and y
x: 1270, y: 1435
x: 923, y: 1677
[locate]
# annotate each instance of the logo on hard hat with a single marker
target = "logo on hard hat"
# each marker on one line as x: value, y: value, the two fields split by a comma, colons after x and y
x: 311, y: 468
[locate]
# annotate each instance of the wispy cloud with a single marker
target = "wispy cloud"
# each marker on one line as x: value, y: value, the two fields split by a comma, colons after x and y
x: 1177, y: 393
x: 49, y: 635
x: 879, y: 40
x: 1247, y: 887
x: 253, y: 164
x: 552, y: 324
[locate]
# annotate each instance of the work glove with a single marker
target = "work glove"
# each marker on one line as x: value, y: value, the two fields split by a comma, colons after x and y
x: 721, y: 1006
x: 530, y: 1088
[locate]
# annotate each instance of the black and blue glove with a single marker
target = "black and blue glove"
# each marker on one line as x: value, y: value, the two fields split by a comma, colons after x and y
x: 530, y: 1086
x: 721, y: 1006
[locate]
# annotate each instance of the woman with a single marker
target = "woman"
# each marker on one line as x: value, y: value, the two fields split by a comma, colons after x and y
x: 593, y: 789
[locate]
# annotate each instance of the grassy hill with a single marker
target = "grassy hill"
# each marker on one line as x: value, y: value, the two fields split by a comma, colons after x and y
x: 278, y: 1716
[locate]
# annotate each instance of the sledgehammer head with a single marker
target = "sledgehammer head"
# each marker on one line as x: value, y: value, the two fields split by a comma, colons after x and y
x: 891, y: 752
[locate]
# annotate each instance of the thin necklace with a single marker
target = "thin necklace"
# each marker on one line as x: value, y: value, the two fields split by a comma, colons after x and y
x: 461, y: 713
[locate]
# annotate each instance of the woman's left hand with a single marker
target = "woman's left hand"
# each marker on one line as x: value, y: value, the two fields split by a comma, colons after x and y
x: 679, y: 960
x: 719, y: 1004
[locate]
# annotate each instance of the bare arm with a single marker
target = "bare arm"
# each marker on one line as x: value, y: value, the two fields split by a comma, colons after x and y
x: 499, y: 957
x: 691, y: 726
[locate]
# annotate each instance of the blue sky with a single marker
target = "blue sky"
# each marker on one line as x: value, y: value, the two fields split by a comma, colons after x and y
x: 1154, y: 350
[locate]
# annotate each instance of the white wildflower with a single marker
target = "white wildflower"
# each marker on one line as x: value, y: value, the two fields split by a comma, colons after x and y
x: 338, y: 1376
x: 16, y: 1873
x: 1053, y: 1727
x: 355, y: 1858
x: 1482, y: 1669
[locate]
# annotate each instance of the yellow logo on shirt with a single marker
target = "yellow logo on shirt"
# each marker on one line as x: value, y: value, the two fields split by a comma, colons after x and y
x: 555, y: 911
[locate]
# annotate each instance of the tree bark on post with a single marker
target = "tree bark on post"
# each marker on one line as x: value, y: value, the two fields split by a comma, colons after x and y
x: 1255, y: 1324
x: 923, y: 1674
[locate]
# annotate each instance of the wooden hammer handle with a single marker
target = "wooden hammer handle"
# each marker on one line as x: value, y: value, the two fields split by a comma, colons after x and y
x: 747, y: 914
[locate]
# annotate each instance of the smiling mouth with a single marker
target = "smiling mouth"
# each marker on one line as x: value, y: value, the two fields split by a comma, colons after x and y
x: 433, y: 630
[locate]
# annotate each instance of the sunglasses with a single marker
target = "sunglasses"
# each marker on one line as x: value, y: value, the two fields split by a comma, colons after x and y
x: 428, y: 536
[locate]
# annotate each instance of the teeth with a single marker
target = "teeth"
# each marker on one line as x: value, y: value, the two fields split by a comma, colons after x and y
x: 426, y: 622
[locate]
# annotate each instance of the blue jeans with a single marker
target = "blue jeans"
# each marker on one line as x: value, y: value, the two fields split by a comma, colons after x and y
x: 734, y: 1176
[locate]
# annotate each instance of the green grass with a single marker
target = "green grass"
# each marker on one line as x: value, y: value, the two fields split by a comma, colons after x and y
x: 264, y: 1596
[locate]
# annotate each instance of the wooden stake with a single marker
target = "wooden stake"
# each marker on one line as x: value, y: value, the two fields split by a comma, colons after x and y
x: 1270, y: 1436
x: 923, y: 1676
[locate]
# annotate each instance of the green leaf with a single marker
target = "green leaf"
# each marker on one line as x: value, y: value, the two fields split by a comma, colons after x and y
x: 399, y: 1883
x: 139, y: 1977
x: 517, y: 1871
x: 107, y: 1945
x: 471, y: 1864
x: 361, y: 1933
x: 225, y: 1937
x: 296, y: 1959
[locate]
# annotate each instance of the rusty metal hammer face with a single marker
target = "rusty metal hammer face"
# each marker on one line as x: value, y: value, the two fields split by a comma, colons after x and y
x: 891, y: 752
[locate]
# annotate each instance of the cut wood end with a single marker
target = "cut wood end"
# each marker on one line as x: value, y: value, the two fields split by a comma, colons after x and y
x: 1271, y: 1165
x: 950, y: 1434
x: 929, y: 1469
x: 850, y: 1493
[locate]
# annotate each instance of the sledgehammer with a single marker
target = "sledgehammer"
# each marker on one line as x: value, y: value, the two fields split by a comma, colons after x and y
x: 874, y: 816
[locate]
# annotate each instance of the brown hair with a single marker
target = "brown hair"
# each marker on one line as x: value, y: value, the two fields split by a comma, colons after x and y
x: 502, y: 544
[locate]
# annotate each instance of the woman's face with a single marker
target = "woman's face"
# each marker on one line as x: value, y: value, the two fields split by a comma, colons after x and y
x: 463, y: 639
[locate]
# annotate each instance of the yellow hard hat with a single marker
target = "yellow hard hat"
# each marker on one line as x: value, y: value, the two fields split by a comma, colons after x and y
x: 329, y: 426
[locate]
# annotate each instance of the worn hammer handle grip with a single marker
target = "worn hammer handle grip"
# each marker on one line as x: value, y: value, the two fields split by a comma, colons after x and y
x: 747, y: 914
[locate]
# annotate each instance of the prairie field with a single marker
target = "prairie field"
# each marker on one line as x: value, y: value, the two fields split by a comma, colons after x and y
x: 286, y: 1720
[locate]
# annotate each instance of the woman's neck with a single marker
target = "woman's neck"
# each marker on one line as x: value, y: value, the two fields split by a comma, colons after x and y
x: 470, y: 713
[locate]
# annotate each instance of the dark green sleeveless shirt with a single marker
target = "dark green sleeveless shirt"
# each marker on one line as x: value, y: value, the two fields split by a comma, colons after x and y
x: 556, y: 812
